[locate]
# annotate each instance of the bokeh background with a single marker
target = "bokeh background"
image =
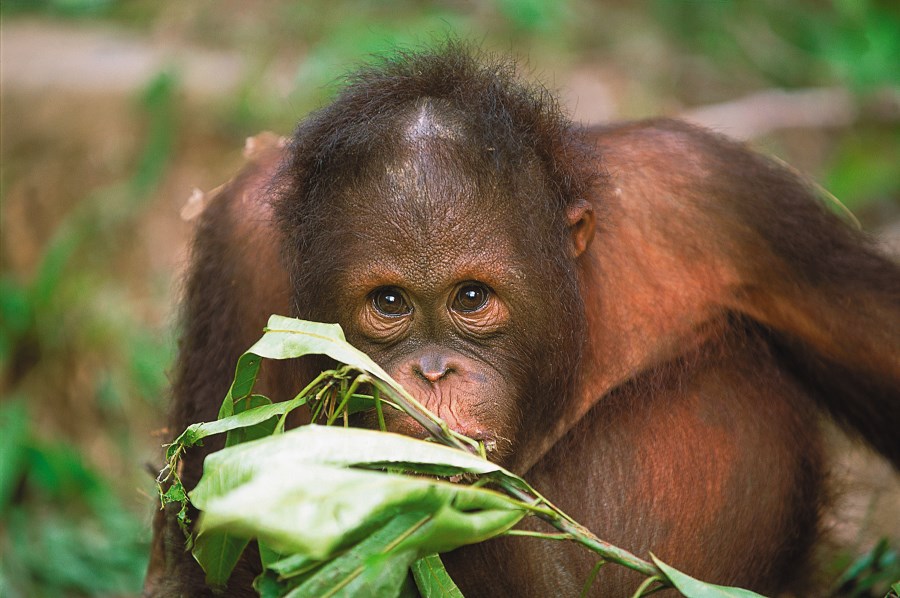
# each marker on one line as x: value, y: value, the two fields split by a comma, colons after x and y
x: 113, y: 111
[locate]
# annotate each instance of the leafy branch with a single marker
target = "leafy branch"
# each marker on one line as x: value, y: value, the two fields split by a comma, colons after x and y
x: 335, y: 510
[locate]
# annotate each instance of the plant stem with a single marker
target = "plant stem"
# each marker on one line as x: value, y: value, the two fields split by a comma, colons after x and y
x: 590, y: 580
x: 645, y: 586
x: 542, y: 535
x: 279, y: 427
x: 440, y: 432
x: 377, y: 396
x: 435, y: 427
x: 584, y: 536
x: 346, y: 398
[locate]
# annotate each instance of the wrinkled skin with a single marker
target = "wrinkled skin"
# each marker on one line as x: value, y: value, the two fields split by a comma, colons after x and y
x: 451, y: 296
x: 646, y: 319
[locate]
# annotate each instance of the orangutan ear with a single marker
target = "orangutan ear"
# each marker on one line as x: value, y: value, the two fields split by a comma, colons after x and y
x: 580, y: 218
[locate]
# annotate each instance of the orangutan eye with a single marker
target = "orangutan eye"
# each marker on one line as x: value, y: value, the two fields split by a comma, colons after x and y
x: 390, y: 302
x: 471, y: 297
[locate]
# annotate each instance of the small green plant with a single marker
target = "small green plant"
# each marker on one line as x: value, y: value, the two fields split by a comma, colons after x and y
x: 79, y: 366
x: 344, y: 511
x: 869, y: 574
x: 63, y: 530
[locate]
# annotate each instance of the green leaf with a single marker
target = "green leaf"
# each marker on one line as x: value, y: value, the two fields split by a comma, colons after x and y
x: 267, y: 556
x: 14, y: 427
x: 295, y: 491
x: 247, y: 419
x: 347, y: 447
x: 694, y: 588
x: 245, y: 374
x: 432, y: 578
x: 255, y: 431
x: 268, y: 586
x: 286, y: 338
x: 878, y: 566
x: 320, y: 510
x: 374, y: 567
x: 175, y: 493
x: 16, y: 313
x: 294, y: 565
x: 218, y: 553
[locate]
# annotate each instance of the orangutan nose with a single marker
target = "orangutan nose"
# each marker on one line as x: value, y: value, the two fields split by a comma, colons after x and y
x: 433, y: 368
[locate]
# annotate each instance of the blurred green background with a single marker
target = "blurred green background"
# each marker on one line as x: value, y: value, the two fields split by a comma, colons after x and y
x: 114, y: 110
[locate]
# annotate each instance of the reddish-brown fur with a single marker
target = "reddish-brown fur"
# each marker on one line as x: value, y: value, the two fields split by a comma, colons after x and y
x: 723, y: 309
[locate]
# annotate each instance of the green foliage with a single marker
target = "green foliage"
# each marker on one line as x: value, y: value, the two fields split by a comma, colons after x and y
x: 338, y: 516
x: 16, y: 316
x: 869, y: 575
x: 694, y: 588
x: 63, y: 531
x: 57, y: 314
x: 864, y: 167
x: 430, y: 575
x: 534, y: 16
x: 794, y: 44
x: 158, y: 100
x: 329, y: 500
x: 346, y: 511
x: 68, y: 8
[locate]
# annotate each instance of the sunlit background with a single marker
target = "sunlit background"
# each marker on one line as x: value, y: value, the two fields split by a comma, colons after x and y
x: 113, y: 111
